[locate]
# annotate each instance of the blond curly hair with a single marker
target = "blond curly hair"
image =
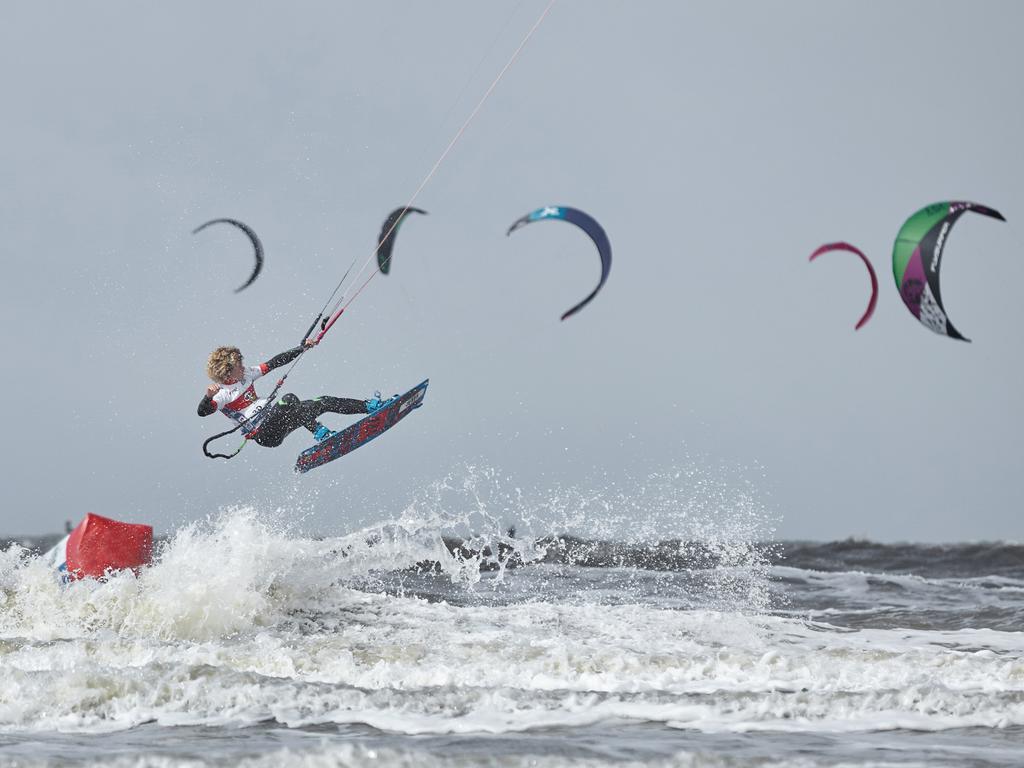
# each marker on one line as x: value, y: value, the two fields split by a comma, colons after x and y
x: 221, y: 362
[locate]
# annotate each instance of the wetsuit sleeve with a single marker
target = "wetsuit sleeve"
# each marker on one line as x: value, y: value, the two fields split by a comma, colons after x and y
x: 282, y: 359
x: 206, y: 406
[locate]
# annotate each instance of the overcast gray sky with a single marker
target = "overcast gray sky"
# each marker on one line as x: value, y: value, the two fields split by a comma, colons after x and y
x: 718, y: 143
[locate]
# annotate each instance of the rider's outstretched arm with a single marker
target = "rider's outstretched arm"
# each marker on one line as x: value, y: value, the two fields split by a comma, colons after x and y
x: 282, y: 359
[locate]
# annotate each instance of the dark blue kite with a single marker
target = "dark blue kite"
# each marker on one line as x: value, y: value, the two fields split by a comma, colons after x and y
x: 588, y: 225
x: 257, y: 246
x: 386, y: 239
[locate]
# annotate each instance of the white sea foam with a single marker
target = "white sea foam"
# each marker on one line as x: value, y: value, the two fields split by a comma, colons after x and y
x: 405, y: 665
x: 239, y: 622
x: 358, y: 755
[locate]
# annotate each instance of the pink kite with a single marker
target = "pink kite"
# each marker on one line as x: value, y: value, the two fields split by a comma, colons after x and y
x: 871, y: 271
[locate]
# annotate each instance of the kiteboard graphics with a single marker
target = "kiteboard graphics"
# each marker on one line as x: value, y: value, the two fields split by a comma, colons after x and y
x: 917, y: 258
x: 363, y: 431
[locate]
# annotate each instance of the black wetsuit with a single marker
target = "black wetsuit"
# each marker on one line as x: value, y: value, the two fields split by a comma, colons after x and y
x: 288, y: 413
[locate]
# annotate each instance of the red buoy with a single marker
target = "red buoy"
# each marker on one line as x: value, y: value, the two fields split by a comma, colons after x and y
x: 99, y: 544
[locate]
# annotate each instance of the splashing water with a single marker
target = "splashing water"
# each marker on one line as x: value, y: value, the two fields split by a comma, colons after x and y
x: 477, y: 521
x: 238, y: 570
x: 482, y: 606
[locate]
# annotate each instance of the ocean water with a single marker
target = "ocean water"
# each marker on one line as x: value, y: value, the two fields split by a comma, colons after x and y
x: 441, y: 638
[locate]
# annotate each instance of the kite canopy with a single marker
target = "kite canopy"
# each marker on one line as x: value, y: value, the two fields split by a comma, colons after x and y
x: 386, y: 239
x: 588, y: 225
x: 256, y: 244
x: 917, y: 258
x: 871, y: 271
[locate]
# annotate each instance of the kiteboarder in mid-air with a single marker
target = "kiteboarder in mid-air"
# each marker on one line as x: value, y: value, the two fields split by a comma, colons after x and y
x: 233, y: 393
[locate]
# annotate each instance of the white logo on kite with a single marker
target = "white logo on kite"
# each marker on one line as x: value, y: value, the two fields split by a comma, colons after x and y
x: 549, y: 211
x: 938, y: 246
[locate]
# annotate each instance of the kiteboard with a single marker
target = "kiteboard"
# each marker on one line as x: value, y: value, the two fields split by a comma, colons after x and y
x: 363, y: 431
